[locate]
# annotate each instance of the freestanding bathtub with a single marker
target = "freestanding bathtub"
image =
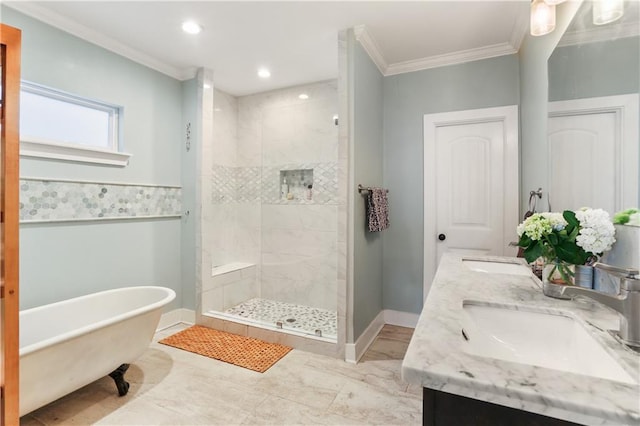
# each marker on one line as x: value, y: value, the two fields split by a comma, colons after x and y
x: 69, y: 344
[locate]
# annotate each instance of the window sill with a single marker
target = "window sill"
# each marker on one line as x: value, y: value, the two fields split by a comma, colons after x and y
x: 74, y: 153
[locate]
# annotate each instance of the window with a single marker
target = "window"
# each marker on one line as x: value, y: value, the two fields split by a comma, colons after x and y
x: 58, y: 125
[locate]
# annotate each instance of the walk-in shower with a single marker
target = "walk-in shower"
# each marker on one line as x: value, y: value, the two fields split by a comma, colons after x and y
x: 274, y: 211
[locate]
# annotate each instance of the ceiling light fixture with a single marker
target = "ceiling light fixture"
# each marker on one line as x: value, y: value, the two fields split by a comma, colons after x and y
x: 543, y: 18
x: 303, y: 96
x: 191, y: 27
x: 606, y: 11
x: 553, y: 2
x: 264, y: 73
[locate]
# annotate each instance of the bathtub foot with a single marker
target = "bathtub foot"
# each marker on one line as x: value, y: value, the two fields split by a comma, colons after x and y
x: 118, y: 376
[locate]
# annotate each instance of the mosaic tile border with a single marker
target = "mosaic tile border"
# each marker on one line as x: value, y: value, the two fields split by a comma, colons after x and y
x: 51, y: 200
x: 223, y: 184
x: 262, y: 184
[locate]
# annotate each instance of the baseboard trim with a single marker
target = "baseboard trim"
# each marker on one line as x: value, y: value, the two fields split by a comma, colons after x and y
x: 354, y: 351
x: 176, y: 316
x: 401, y: 319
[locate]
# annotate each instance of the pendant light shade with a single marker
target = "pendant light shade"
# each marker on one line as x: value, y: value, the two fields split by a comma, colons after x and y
x: 543, y: 18
x: 606, y: 11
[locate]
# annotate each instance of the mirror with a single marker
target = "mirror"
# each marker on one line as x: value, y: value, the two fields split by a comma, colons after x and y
x: 592, y: 60
x: 594, y: 79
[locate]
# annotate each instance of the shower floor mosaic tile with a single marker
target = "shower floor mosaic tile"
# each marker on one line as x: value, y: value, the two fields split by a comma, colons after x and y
x: 292, y: 317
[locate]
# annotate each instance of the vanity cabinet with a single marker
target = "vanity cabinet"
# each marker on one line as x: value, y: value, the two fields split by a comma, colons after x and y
x: 443, y: 409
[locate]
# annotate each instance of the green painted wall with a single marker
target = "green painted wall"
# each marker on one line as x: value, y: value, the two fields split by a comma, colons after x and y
x: 58, y: 261
x: 367, y: 151
x: 604, y: 68
x: 407, y: 98
x: 188, y: 178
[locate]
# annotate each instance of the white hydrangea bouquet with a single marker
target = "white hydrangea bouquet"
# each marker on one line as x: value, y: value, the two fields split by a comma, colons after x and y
x: 567, y: 238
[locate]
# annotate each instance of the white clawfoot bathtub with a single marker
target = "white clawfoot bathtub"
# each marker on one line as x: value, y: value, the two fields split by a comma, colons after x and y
x: 69, y: 344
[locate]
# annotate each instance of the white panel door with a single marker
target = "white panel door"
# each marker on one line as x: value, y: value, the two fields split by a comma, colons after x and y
x: 582, y: 162
x: 469, y: 188
x: 470, y: 184
x: 593, y: 153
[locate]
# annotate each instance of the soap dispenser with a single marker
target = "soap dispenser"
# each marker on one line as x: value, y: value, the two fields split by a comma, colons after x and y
x: 285, y: 189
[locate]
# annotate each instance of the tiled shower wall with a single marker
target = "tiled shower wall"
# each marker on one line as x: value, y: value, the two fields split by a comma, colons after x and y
x: 223, y: 180
x: 299, y: 241
x: 293, y: 242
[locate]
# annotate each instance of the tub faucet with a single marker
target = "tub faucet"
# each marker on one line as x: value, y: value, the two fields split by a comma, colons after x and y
x: 626, y: 303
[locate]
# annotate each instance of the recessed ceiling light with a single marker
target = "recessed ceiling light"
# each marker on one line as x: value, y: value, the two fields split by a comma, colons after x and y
x: 303, y: 96
x: 191, y: 27
x: 264, y: 73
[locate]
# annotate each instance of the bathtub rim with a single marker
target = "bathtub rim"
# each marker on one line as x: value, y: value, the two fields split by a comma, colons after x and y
x: 34, y: 347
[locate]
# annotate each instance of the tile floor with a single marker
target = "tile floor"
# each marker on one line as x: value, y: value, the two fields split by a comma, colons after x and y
x: 173, y: 387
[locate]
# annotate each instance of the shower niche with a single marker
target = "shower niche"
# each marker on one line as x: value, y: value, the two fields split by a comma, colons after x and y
x: 296, y: 185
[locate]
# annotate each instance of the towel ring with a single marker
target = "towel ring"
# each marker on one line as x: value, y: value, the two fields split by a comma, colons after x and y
x: 532, y: 199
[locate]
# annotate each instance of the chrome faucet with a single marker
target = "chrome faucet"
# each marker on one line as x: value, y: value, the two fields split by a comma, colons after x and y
x: 626, y: 303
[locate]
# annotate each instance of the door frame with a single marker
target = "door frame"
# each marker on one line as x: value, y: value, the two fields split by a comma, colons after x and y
x: 10, y: 38
x: 627, y: 155
x: 508, y: 115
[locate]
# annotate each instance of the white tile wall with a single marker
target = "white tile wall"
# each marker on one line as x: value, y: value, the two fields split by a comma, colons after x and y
x: 227, y: 289
x: 248, y: 232
x: 293, y: 242
x: 202, y: 150
x: 225, y: 119
x: 249, y: 133
x: 304, y: 217
x: 300, y: 279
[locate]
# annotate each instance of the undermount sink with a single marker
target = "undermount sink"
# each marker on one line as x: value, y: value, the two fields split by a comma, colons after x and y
x: 550, y: 340
x: 496, y: 267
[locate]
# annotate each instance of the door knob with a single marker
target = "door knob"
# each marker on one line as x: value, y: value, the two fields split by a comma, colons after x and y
x: 442, y: 237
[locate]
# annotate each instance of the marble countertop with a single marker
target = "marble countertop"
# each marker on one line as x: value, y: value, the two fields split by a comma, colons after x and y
x: 436, y: 358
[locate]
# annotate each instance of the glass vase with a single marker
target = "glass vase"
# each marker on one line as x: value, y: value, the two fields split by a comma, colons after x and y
x: 584, y: 276
x: 557, y: 274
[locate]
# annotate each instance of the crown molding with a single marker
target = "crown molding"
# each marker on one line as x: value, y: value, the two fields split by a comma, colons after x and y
x: 188, y: 73
x: 58, y: 21
x: 371, y: 47
x: 453, y: 58
x: 604, y: 33
x: 520, y: 29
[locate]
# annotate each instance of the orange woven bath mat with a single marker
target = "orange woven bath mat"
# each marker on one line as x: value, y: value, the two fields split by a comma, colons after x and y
x: 243, y: 351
